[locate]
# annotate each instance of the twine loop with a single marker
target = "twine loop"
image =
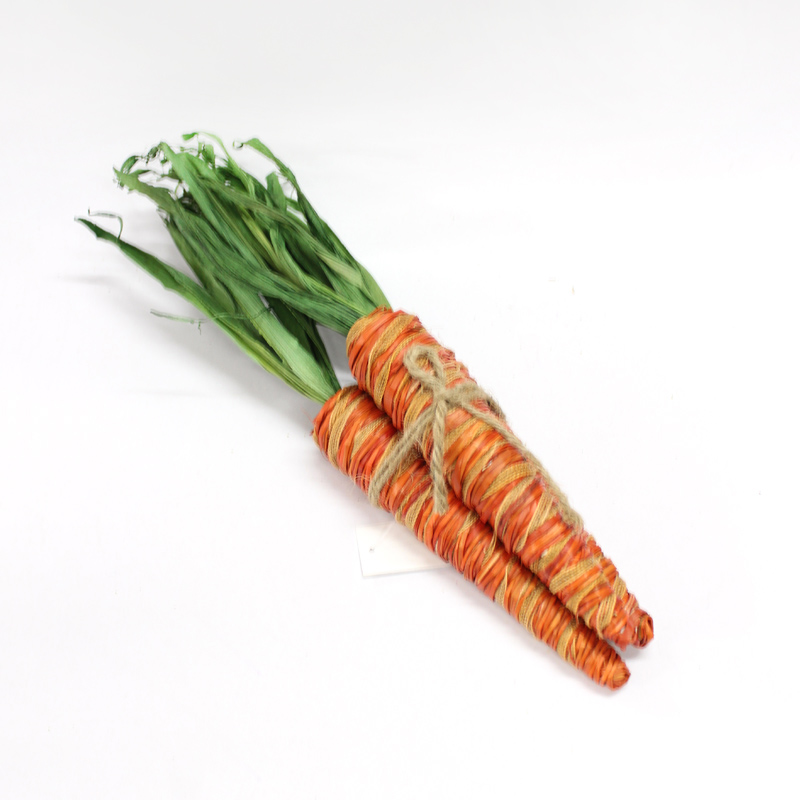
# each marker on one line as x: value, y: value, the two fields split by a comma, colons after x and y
x: 443, y: 399
x: 424, y: 365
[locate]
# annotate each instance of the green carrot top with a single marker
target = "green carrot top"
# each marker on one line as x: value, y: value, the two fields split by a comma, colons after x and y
x: 267, y: 267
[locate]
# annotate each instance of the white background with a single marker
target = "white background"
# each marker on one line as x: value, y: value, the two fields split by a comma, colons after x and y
x: 596, y: 206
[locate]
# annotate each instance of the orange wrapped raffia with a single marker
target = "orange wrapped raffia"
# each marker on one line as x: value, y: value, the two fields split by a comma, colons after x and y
x: 357, y: 437
x: 490, y: 472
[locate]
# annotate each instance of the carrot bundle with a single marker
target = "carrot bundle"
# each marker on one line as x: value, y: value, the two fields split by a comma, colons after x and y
x: 431, y: 447
x: 489, y: 470
x: 357, y: 438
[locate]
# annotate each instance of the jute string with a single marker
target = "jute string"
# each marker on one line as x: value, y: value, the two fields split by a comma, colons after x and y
x: 424, y: 365
x: 460, y: 538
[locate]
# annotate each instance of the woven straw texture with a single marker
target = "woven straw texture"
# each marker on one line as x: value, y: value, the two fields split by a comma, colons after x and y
x: 357, y: 437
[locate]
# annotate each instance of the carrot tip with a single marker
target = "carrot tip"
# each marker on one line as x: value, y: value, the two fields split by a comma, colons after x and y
x: 619, y: 677
x: 644, y: 630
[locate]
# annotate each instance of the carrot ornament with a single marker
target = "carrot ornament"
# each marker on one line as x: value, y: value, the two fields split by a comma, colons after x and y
x: 268, y: 270
x: 359, y: 439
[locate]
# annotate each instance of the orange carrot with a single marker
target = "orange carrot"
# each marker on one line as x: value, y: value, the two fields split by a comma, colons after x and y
x: 269, y: 270
x: 357, y: 437
x: 490, y: 471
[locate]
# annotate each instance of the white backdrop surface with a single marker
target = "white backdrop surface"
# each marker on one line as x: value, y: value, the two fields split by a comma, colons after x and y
x: 596, y: 206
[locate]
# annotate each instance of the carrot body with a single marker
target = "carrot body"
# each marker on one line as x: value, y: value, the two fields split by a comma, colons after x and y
x: 490, y: 475
x: 356, y: 436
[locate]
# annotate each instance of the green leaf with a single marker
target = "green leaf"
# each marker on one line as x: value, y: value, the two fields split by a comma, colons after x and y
x: 313, y: 383
x: 268, y: 269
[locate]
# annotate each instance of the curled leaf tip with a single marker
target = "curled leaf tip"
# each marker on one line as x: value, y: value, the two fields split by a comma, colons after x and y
x: 129, y: 163
x: 109, y: 214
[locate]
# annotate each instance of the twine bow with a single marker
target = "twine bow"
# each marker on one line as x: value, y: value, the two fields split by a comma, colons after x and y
x: 445, y: 398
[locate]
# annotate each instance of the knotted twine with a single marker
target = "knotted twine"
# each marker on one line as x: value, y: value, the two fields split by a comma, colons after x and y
x: 432, y: 420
